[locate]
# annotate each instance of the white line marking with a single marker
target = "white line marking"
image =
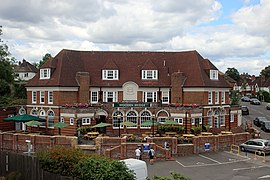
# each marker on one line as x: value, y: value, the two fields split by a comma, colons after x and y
x: 210, y: 159
x: 249, y: 168
x: 180, y: 163
x: 264, y: 177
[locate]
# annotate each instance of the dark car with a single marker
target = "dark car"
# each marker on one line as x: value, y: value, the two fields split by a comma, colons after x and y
x: 265, y: 126
x: 258, y: 121
x: 268, y: 106
x: 245, y: 110
x: 245, y: 99
x: 255, y: 101
x: 256, y: 145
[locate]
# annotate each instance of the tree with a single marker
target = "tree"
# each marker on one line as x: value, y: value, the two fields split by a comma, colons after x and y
x: 235, y: 97
x: 45, y: 58
x: 233, y: 73
x: 266, y: 72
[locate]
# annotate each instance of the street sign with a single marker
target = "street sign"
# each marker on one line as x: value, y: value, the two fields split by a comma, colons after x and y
x: 207, y: 146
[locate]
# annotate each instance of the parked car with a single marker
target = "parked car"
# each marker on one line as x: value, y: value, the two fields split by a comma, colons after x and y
x: 265, y: 126
x: 245, y: 99
x: 255, y: 101
x: 260, y: 145
x: 268, y: 106
x: 258, y: 121
x: 245, y: 110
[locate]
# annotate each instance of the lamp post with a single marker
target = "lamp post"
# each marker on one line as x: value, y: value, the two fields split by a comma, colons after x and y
x: 119, y: 118
x: 153, y: 119
x: 229, y: 119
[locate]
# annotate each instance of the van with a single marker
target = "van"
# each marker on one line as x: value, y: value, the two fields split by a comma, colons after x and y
x: 138, y: 166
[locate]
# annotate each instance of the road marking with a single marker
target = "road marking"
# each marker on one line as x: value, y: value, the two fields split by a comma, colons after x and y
x: 180, y: 163
x: 249, y: 168
x: 264, y: 177
x: 209, y: 159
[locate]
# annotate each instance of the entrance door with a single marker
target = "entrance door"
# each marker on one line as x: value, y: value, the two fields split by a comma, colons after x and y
x: 130, y: 90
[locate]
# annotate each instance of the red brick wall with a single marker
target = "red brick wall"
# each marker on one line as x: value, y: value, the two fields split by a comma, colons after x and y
x: 195, y: 98
x: 83, y: 79
x: 177, y: 79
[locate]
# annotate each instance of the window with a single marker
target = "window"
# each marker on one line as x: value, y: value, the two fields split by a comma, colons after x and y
x: 223, y: 97
x: 42, y: 97
x: 94, y: 97
x: 179, y: 120
x: 216, y: 119
x: 71, y: 121
x: 232, y: 117
x: 222, y: 118
x: 209, y: 97
x: 45, y: 73
x: 216, y: 97
x: 145, y: 116
x: 213, y: 74
x: 165, y: 97
x: 116, y: 122
x: 109, y: 96
x: 85, y: 121
x: 150, y: 96
x: 34, y: 97
x: 150, y: 74
x: 50, y: 118
x: 50, y: 97
x: 62, y: 119
x: 162, y: 119
x: 192, y: 121
x: 42, y: 114
x: 132, y: 117
x: 110, y: 75
x: 25, y: 75
x: 209, y: 119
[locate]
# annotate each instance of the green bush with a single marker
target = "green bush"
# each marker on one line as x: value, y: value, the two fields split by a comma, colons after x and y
x: 174, y: 176
x: 92, y: 168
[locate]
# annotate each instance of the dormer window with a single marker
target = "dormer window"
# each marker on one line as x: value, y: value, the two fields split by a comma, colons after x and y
x: 213, y: 74
x: 110, y: 75
x: 45, y: 73
x: 150, y: 74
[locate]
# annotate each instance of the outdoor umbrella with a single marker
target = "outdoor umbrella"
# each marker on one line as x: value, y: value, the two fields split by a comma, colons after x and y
x: 60, y: 125
x: 150, y: 123
x: 170, y: 122
x: 24, y: 118
x: 33, y: 123
x: 128, y: 123
x: 102, y: 124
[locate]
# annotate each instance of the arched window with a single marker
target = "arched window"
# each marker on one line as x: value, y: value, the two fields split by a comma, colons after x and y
x: 162, y: 116
x: 115, y: 119
x: 22, y: 111
x: 132, y: 116
x: 34, y: 112
x: 145, y: 116
x: 216, y: 118
x: 42, y: 114
x: 222, y: 118
x: 50, y: 118
x: 209, y: 118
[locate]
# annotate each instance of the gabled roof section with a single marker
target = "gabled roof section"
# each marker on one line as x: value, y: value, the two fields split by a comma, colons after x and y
x: 149, y: 65
x: 25, y: 66
x: 110, y: 65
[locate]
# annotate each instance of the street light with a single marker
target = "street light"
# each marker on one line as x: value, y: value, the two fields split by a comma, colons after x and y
x: 119, y: 118
x: 153, y: 118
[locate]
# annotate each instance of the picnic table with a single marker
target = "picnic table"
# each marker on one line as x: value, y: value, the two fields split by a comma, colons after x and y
x: 170, y: 134
x: 91, y: 135
x: 206, y: 134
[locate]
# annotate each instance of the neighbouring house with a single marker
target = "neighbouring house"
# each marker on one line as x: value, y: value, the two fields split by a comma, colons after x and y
x: 83, y: 88
x: 24, y: 71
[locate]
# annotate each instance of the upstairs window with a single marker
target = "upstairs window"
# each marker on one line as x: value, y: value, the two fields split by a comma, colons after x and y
x: 45, y: 73
x: 150, y: 74
x: 50, y: 97
x: 216, y: 97
x: 150, y: 96
x: 213, y: 74
x: 109, y: 96
x: 110, y: 75
x: 223, y: 97
x: 34, y: 97
x: 42, y: 97
x: 165, y: 97
x: 209, y: 97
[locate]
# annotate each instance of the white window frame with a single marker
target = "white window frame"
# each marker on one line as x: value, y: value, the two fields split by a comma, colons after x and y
x: 45, y: 73
x: 50, y: 118
x: 216, y: 97
x: 210, y: 118
x: 145, y: 116
x: 42, y: 97
x: 34, y: 97
x: 94, y: 96
x: 151, y: 95
x: 109, y: 94
x: 165, y: 97
x: 50, y: 97
x: 110, y: 74
x: 86, y: 121
x: 214, y: 74
x: 71, y: 121
x: 210, y: 97
x: 179, y: 120
x: 192, y: 121
x: 132, y: 116
x: 223, y: 97
x: 232, y: 117
x: 149, y: 74
x: 62, y: 119
x: 222, y: 118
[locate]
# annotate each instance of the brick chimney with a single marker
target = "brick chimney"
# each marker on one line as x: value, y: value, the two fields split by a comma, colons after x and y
x: 177, y: 81
x: 83, y: 80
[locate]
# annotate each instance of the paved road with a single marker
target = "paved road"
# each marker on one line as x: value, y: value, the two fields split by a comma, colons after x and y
x: 215, y: 166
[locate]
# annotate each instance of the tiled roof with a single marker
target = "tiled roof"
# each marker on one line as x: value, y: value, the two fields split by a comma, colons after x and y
x: 67, y: 63
x: 25, y: 67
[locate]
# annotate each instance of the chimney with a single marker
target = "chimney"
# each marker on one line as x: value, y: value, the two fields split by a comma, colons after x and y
x: 177, y: 82
x: 83, y: 80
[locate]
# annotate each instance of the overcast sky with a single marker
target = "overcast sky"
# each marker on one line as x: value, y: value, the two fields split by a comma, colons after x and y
x: 231, y: 33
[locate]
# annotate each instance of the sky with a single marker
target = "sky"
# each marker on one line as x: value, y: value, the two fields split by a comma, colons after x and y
x: 230, y: 33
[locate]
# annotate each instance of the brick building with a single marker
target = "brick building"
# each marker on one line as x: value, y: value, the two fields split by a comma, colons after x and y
x: 83, y: 88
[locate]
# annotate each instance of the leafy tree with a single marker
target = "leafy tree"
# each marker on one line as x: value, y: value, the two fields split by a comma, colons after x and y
x: 235, y: 97
x: 45, y: 58
x: 233, y: 73
x: 263, y: 95
x: 266, y: 71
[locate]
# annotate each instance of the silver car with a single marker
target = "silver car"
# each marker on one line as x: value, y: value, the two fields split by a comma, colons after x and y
x: 259, y: 145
